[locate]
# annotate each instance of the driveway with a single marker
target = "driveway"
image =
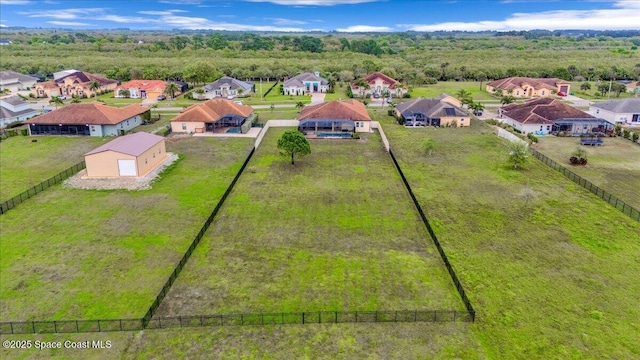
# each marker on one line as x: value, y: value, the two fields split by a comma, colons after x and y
x: 578, y: 102
x: 317, y: 98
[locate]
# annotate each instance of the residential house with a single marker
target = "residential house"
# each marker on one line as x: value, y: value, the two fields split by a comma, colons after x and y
x: 624, y: 112
x: 13, y: 109
x: 15, y: 81
x: 228, y: 88
x: 140, y: 89
x: 94, y: 119
x: 5, y: 42
x: 60, y: 74
x: 74, y: 84
x: 183, y: 86
x: 214, y: 116
x: 133, y: 155
x: 331, y: 117
x: 444, y: 110
x: 546, y: 115
x: 520, y: 87
x: 305, y: 83
x: 380, y: 85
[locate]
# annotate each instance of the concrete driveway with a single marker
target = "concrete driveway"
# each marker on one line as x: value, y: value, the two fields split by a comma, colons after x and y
x: 578, y: 102
x: 317, y: 98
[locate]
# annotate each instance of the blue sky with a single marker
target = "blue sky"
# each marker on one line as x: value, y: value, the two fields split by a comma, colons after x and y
x: 324, y: 15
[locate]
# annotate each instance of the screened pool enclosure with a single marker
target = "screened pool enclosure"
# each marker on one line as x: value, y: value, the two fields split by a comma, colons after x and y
x: 310, y: 126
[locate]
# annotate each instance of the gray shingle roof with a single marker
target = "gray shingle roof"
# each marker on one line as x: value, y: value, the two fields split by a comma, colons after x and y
x: 299, y: 80
x: 233, y: 84
x: 430, y: 107
x: 14, y: 100
x: 625, y: 106
x: 10, y: 75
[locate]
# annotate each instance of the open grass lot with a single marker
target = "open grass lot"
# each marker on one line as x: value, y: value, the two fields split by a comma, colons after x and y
x: 24, y: 164
x: 337, y: 231
x: 552, y: 278
x: 74, y: 254
x: 277, y: 114
x: 165, y: 119
x: 451, y: 88
x: 614, y: 167
x: 109, y: 100
x: 342, y: 341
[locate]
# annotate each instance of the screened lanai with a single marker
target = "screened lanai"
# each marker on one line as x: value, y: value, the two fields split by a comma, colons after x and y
x: 326, y: 125
x: 224, y: 122
x: 580, y: 126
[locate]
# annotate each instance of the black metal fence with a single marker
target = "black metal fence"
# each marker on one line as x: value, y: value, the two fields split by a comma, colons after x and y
x: 69, y: 326
x: 271, y: 88
x: 11, y: 203
x: 604, y: 195
x: 471, y: 312
x: 167, y: 286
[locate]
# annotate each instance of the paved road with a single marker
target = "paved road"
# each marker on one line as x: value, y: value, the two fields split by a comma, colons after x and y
x: 577, y: 101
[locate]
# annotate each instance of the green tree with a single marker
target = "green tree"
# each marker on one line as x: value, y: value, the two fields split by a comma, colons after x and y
x: 56, y: 101
x: 124, y: 93
x: 94, y: 86
x: 293, y: 143
x: 464, y: 96
x: 518, y: 154
x: 200, y: 72
x: 476, y: 107
x: 428, y: 145
x: 507, y: 99
x: 585, y: 86
x: 171, y: 89
x: 299, y: 105
x: 481, y: 76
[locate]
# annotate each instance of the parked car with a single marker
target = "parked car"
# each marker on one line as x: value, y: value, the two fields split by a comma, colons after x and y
x: 62, y: 97
x: 562, y: 94
x: 238, y: 102
x: 161, y: 97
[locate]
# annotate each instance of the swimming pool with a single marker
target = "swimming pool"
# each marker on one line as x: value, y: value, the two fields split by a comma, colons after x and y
x: 233, y: 131
x: 334, y: 135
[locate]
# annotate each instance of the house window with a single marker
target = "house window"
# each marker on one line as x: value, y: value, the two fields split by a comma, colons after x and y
x: 154, y: 155
x: 518, y: 92
x: 93, y: 128
x: 598, y: 111
x: 127, y: 122
x: 542, y: 92
x: 461, y: 120
x: 184, y: 126
x: 548, y: 128
x: 146, y: 161
x: 121, y: 126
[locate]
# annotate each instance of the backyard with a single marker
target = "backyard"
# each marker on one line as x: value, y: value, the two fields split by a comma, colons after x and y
x: 80, y: 254
x: 26, y: 163
x: 359, y: 246
x: 548, y: 266
x: 614, y: 167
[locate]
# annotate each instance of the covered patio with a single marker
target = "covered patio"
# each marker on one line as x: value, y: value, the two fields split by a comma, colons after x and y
x: 582, y: 126
x: 224, y: 124
x: 327, y: 127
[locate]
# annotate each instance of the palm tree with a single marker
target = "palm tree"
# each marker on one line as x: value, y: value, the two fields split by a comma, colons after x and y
x: 464, y: 96
x: 94, y: 86
x: 56, y: 101
x: 299, y: 105
x: 171, y: 89
x: 476, y: 107
x: 508, y: 99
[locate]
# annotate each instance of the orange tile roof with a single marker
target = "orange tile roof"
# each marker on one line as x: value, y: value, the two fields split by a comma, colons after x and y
x: 94, y: 113
x: 212, y: 110
x: 542, y: 111
x: 350, y: 109
x: 144, y: 85
x: 536, y: 83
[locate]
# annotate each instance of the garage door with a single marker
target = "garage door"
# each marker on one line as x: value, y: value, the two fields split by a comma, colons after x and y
x: 127, y: 167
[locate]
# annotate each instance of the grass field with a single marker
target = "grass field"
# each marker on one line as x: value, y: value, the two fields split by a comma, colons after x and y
x: 554, y: 277
x: 109, y: 100
x: 337, y: 231
x: 451, y: 88
x: 74, y: 254
x: 165, y: 118
x: 25, y: 164
x: 277, y: 114
x: 614, y: 167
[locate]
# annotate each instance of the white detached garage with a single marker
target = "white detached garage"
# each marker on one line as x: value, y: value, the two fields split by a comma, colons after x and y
x: 133, y: 155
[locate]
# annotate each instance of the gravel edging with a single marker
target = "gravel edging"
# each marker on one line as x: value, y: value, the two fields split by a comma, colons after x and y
x: 131, y: 184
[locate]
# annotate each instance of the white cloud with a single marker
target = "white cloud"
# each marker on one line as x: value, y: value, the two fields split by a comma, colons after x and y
x: 64, y: 14
x: 227, y: 16
x: 3, y: 25
x: 67, y: 23
x: 15, y: 2
x: 623, y: 17
x: 182, y: 2
x: 313, y: 2
x: 195, y: 23
x: 160, y: 13
x: 365, y: 28
x: 281, y: 21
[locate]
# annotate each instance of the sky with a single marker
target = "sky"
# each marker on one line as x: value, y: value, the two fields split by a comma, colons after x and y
x: 323, y: 15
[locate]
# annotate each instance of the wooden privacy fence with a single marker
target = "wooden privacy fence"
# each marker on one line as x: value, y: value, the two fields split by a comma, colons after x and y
x: 18, y: 199
x: 601, y: 193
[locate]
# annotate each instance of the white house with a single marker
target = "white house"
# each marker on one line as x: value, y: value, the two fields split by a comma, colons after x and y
x: 624, y: 112
x: 305, y: 83
x: 13, y: 109
x: 227, y: 87
x: 15, y: 81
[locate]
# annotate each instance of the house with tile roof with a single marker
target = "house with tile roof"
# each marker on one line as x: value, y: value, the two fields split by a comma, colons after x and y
x: 334, y: 116
x: 305, y: 83
x: 74, y: 84
x: 15, y: 81
x: 140, y: 89
x: 441, y: 111
x: 520, y: 87
x: 380, y: 85
x: 549, y: 116
x: 133, y: 155
x: 13, y: 108
x: 624, y: 112
x: 228, y: 88
x: 92, y: 119
x: 213, y: 116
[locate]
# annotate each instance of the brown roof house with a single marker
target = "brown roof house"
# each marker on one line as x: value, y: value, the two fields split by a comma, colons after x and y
x: 334, y: 119
x: 529, y: 87
x: 380, y: 85
x: 94, y: 119
x: 133, y: 155
x: 545, y: 115
x: 74, y: 83
x: 214, y: 116
x: 444, y: 110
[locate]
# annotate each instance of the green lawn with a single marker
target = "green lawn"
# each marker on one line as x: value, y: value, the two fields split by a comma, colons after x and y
x: 165, y: 119
x: 24, y: 163
x: 337, y: 231
x: 614, y: 167
x: 590, y: 94
x: 80, y: 254
x: 451, y: 88
x: 277, y: 114
x: 552, y: 277
x: 109, y: 100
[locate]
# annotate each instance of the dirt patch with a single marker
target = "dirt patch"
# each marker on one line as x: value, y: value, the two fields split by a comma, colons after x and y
x: 136, y: 184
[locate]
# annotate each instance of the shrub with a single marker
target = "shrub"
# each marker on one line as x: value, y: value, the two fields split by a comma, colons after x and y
x: 391, y: 112
x: 532, y: 137
x: 365, y: 102
x: 561, y: 134
x: 492, y: 122
x: 406, y: 95
x: 635, y: 137
x: 430, y: 81
x: 625, y: 134
x: 15, y: 124
x: 24, y: 132
x: 355, y: 135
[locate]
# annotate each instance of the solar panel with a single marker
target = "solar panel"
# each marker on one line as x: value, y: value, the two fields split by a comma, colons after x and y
x: 450, y: 111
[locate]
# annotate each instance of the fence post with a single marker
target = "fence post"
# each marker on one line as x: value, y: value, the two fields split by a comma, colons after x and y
x: 303, y: 317
x: 11, y: 325
x: 99, y: 329
x: 55, y: 326
x: 336, y: 313
x: 33, y: 327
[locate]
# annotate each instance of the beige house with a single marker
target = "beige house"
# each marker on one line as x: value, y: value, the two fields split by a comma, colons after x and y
x: 520, y: 87
x: 78, y: 83
x: 380, y: 85
x: 330, y: 118
x: 133, y: 155
x: 214, y: 116
x: 444, y: 110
